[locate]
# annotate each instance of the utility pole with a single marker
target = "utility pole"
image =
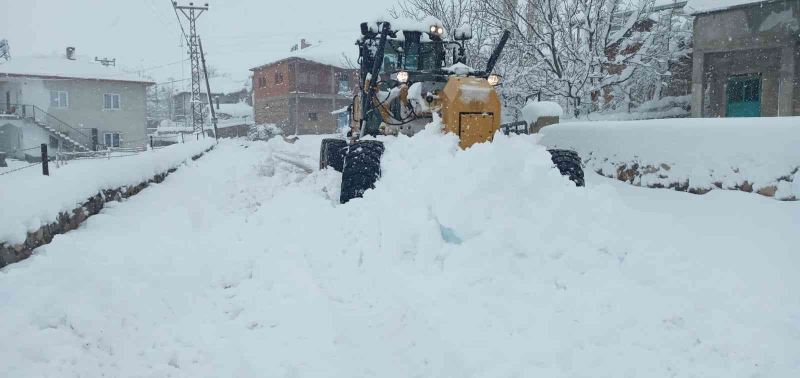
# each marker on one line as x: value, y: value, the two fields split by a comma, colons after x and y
x: 208, y: 90
x: 5, y: 50
x: 192, y: 13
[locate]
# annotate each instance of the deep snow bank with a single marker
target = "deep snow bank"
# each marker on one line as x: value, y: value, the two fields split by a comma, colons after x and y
x: 30, y: 200
x: 477, y: 263
x: 750, y: 154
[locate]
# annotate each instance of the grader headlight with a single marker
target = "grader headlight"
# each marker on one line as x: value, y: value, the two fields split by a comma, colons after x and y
x: 402, y: 77
x: 438, y: 30
x: 493, y: 79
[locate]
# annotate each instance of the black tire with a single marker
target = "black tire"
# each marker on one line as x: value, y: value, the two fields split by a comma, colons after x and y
x: 362, y: 168
x: 569, y: 164
x: 331, y: 154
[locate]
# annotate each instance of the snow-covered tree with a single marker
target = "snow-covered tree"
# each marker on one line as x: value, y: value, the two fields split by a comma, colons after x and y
x: 587, y: 54
x: 159, y: 98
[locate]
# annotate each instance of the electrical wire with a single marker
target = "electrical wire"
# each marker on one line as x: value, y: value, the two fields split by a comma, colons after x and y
x: 19, y: 169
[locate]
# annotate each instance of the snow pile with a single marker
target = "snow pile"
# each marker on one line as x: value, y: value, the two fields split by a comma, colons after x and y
x: 533, y: 110
x: 459, y: 69
x: 31, y: 200
x: 236, y: 114
x: 171, y: 127
x: 700, y: 154
x: 237, y: 110
x: 263, y: 131
x: 476, y: 263
x: 55, y: 66
x: 666, y: 107
x: 705, y: 6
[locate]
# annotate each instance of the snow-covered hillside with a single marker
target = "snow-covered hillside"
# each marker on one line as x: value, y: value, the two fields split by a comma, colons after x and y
x: 478, y: 263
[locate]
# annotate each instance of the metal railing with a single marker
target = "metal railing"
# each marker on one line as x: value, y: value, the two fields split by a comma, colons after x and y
x: 69, y: 137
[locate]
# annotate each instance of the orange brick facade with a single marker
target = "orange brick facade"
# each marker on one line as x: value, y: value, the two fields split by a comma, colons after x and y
x: 298, y: 95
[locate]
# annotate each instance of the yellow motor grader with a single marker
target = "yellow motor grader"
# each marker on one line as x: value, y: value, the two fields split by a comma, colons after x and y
x: 404, y: 79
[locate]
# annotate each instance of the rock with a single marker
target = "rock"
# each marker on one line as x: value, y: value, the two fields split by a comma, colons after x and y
x: 649, y: 169
x: 665, y: 167
x: 699, y: 190
x: 768, y: 191
x: 746, y: 187
x: 627, y: 174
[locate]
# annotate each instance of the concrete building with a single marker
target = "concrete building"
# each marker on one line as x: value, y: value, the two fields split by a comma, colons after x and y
x: 69, y: 103
x: 746, y: 58
x: 299, y: 92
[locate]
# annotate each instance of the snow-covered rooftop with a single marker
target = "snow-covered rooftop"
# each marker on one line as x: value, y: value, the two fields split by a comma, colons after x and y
x: 330, y: 53
x: 237, y: 110
x: 61, y: 67
x: 705, y: 6
x: 220, y: 84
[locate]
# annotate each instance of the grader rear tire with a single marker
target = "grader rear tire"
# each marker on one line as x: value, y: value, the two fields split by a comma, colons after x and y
x: 331, y: 154
x: 569, y: 164
x: 362, y: 168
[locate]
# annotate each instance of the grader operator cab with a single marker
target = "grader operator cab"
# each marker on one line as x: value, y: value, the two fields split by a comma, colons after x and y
x: 405, y: 78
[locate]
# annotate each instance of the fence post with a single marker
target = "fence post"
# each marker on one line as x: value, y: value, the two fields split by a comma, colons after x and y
x: 45, y: 168
x: 152, y: 147
x: 182, y: 134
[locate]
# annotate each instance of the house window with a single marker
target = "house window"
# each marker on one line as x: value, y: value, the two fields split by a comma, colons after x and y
x: 312, y: 117
x: 111, y: 101
x: 59, y: 99
x: 262, y: 82
x: 111, y: 139
x: 278, y: 77
x: 344, y: 84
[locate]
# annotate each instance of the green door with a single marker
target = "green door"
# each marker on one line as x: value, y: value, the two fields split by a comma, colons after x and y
x: 744, y: 96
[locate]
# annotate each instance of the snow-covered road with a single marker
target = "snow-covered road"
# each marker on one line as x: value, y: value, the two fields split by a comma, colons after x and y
x: 484, y: 263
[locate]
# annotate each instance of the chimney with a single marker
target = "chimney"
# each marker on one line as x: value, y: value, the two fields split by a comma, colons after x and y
x: 304, y: 44
x: 71, y: 53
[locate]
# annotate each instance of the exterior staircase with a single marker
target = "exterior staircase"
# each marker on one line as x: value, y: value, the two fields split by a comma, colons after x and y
x: 70, y: 138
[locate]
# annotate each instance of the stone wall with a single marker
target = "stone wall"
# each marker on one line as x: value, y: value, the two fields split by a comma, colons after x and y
x: 641, y: 175
x: 68, y: 221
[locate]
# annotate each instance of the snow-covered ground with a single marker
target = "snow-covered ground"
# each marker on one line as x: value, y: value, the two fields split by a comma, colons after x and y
x: 703, y: 153
x: 478, y: 263
x: 30, y: 199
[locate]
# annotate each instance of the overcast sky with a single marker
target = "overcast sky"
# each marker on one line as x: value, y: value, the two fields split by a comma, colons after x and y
x: 142, y: 34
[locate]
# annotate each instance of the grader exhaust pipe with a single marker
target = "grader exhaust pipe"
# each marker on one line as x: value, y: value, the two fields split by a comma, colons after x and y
x: 367, y: 109
x: 496, y: 53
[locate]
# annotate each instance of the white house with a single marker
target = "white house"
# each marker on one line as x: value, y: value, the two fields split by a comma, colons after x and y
x: 70, y: 103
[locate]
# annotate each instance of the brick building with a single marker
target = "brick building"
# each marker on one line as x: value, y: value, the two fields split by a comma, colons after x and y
x: 298, y: 93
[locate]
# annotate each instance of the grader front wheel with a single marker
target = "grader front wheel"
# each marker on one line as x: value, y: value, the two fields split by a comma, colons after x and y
x: 362, y: 168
